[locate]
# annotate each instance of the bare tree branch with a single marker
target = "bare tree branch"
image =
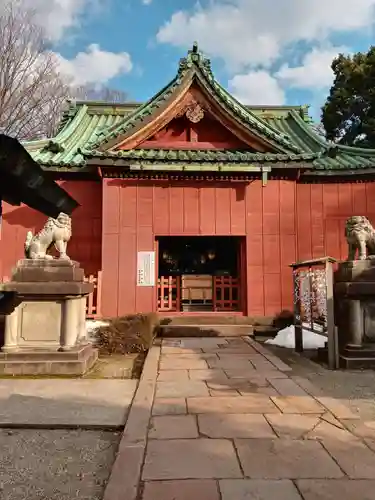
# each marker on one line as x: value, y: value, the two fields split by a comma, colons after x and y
x: 31, y: 89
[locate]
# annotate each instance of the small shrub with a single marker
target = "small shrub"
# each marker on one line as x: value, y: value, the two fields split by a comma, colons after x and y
x: 127, y: 334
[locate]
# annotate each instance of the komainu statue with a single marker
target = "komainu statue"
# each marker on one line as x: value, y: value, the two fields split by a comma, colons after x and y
x: 360, y: 236
x: 55, y: 232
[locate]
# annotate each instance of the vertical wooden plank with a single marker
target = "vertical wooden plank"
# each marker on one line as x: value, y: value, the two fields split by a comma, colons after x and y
x: 303, y: 212
x: 272, y: 294
x: 191, y: 210
x: 271, y: 208
x: 127, y: 248
x: 271, y: 247
x: 127, y: 271
x: 222, y: 215
x: 110, y: 247
x: 317, y: 221
x: 359, y: 199
x: 176, y: 210
x: 288, y: 256
x: 345, y: 210
x: 370, y: 201
x: 144, y: 296
x: 144, y: 205
x: 287, y: 240
x: 207, y: 210
x: 254, y: 249
x: 237, y: 210
x: 161, y: 210
x: 332, y: 222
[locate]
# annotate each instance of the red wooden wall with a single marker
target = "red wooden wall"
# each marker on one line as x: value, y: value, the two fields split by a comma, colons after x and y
x: 134, y: 214
x: 85, y: 245
x: 283, y: 222
x: 322, y: 210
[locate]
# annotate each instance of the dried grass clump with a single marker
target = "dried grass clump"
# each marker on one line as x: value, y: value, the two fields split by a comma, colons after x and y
x: 284, y: 319
x: 128, y: 334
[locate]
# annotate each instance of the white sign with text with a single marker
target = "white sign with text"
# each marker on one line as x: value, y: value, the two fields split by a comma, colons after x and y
x: 146, y: 269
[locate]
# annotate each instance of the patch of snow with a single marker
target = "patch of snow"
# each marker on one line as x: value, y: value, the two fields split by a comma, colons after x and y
x: 311, y: 340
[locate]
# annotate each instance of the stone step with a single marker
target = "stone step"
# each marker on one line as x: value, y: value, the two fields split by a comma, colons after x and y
x: 201, y: 330
x: 209, y: 319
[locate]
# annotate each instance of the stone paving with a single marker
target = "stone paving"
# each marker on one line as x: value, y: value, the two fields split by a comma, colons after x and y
x: 66, y: 403
x: 230, y: 423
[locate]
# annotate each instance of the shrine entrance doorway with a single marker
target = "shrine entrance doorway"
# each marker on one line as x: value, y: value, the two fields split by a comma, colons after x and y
x: 200, y: 273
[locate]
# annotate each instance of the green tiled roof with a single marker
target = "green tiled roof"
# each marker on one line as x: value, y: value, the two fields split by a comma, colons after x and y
x: 86, y: 127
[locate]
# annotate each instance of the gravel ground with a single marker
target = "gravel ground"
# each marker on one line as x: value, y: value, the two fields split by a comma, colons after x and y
x: 55, y: 464
x: 357, y: 388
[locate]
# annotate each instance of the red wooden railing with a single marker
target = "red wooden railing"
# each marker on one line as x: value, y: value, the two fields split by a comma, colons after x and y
x: 93, y: 301
x: 169, y: 293
x: 225, y: 294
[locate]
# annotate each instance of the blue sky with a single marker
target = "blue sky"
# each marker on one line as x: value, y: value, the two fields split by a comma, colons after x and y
x: 263, y: 51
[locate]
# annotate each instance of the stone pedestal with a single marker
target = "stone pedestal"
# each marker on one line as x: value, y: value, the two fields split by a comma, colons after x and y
x: 355, y: 313
x: 46, y: 331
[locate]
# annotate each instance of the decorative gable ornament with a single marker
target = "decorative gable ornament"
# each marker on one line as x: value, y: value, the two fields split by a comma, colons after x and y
x: 194, y: 112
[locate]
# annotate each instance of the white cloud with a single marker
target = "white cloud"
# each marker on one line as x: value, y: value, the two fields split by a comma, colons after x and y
x: 58, y: 16
x: 252, y: 32
x: 146, y: 2
x: 95, y: 65
x: 315, y: 71
x: 257, y: 87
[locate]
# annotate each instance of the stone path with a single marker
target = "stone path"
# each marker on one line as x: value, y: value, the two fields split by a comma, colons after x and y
x: 229, y: 422
x: 53, y: 403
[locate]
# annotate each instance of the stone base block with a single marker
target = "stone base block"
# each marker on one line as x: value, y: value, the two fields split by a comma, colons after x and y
x: 47, y: 270
x: 360, y: 363
x: 75, y: 362
x: 352, y: 359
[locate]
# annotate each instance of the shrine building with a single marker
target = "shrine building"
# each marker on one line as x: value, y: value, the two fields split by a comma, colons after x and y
x: 193, y: 202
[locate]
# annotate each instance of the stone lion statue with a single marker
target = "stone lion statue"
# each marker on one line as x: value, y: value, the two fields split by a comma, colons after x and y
x: 360, y: 236
x: 55, y: 232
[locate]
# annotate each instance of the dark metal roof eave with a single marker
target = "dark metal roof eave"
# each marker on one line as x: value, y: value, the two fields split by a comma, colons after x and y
x: 22, y: 180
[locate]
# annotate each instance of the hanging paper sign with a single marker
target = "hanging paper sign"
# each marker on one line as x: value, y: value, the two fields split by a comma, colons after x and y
x: 146, y: 269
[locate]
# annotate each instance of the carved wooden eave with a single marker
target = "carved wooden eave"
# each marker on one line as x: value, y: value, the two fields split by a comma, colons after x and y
x: 193, y: 103
x: 192, y: 99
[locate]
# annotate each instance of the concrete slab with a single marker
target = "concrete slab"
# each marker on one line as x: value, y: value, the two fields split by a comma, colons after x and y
x: 181, y: 389
x: 354, y: 458
x: 171, y: 363
x: 181, y: 490
x: 258, y: 489
x: 169, y: 406
x: 285, y: 459
x: 234, y: 426
x: 298, y: 404
x: 173, y: 427
x: 65, y: 403
x: 211, y: 375
x: 343, y: 489
x: 292, y: 426
x: 254, y: 403
x: 173, y: 375
x: 190, y: 459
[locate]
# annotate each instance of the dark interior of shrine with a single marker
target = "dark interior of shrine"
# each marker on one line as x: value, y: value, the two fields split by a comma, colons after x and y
x: 200, y: 255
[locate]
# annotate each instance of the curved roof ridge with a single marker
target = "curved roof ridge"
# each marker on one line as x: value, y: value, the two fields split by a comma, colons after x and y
x: 195, y: 64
